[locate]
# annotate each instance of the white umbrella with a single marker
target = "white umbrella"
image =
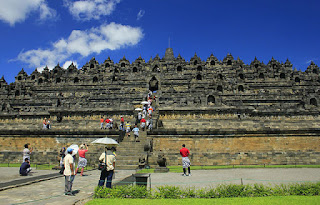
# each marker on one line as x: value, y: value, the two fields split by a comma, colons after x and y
x: 75, y: 148
x: 106, y: 141
x: 138, y: 109
x: 144, y: 103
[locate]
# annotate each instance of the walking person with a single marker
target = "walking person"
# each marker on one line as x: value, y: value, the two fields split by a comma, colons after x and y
x: 184, y: 152
x: 69, y: 172
x: 101, y: 122
x: 27, y: 152
x: 109, y: 159
x: 122, y: 123
x: 82, y: 158
x: 62, y: 155
x: 143, y: 124
x: 136, y: 133
x: 128, y: 129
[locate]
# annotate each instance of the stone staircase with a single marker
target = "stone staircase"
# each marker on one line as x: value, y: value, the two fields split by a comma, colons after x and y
x: 129, y: 151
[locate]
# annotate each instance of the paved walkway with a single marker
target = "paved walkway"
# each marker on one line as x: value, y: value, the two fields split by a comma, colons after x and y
x: 51, y: 191
x: 211, y: 178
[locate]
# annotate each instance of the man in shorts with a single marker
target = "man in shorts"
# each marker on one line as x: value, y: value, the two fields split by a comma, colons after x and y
x: 184, y: 152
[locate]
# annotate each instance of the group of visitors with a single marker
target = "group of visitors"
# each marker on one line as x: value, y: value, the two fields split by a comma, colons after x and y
x: 108, y: 157
x: 106, y: 123
x: 46, y: 123
x: 68, y: 165
x: 25, y: 167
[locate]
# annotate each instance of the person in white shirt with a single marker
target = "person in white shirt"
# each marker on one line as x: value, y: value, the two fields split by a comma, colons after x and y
x: 109, y: 159
x: 69, y: 172
x: 27, y: 152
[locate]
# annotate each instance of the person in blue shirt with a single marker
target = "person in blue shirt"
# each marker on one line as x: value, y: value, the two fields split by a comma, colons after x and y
x: 136, y: 133
x: 25, y: 167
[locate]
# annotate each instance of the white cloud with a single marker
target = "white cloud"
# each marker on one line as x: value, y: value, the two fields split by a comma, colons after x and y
x: 90, y: 9
x: 46, y: 12
x: 84, y: 43
x: 14, y: 11
x: 140, y: 14
x: 68, y: 63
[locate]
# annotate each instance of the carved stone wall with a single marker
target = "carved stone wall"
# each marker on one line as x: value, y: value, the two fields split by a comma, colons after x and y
x: 272, y: 88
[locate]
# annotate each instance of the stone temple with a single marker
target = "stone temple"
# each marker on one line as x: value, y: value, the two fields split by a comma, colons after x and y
x: 226, y: 112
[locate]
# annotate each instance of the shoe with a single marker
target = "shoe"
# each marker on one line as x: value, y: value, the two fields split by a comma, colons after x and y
x: 189, y: 175
x: 69, y: 194
x: 184, y: 175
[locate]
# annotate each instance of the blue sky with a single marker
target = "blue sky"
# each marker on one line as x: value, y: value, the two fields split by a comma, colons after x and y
x: 36, y: 33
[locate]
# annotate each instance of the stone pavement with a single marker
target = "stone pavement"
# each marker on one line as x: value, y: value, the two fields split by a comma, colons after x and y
x: 212, y: 178
x: 51, y: 191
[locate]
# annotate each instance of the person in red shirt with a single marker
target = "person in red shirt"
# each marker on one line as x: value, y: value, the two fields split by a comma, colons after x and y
x: 108, y: 123
x: 122, y: 123
x: 143, y: 124
x: 82, y: 158
x: 184, y: 152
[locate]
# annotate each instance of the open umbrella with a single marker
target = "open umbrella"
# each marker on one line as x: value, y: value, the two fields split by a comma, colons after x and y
x: 106, y: 141
x: 75, y: 148
x: 144, y: 103
x: 138, y: 109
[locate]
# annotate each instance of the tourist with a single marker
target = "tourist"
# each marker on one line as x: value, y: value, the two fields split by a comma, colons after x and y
x: 139, y: 116
x: 107, y: 123
x: 109, y: 159
x: 122, y: 123
x: 48, y: 124
x: 62, y: 155
x: 143, y: 124
x: 27, y: 152
x: 82, y: 158
x: 128, y: 129
x: 184, y: 152
x: 150, y: 124
x: 136, y: 133
x: 150, y: 110
x: 69, y: 172
x: 44, y: 123
x: 111, y: 123
x: 25, y: 167
x: 101, y: 122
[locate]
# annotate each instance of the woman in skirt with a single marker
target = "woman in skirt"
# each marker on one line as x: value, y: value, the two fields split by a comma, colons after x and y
x: 82, y: 158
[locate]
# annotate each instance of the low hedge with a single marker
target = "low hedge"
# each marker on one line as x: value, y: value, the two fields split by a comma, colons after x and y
x: 221, y: 191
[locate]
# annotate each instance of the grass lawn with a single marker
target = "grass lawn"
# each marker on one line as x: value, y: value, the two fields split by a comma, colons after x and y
x: 177, y: 169
x: 272, y: 200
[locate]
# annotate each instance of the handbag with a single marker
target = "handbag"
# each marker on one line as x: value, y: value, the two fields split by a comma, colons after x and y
x: 102, y: 165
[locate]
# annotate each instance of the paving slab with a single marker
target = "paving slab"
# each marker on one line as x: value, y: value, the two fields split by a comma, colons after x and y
x: 52, y: 191
x: 212, y: 178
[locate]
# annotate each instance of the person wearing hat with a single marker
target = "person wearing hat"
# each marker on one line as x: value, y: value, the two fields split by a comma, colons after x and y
x: 69, y: 172
x: 82, y: 158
